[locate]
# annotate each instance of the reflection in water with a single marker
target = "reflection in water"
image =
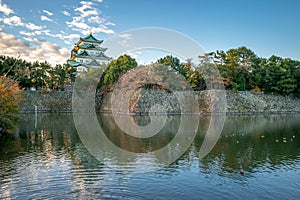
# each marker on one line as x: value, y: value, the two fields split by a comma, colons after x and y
x: 50, y: 161
x: 251, y: 142
x: 137, y: 144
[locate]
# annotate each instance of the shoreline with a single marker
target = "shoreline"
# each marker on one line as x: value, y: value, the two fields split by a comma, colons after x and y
x: 164, y: 113
x: 241, y: 103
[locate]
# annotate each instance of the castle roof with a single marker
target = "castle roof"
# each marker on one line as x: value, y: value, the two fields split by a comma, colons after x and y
x: 93, y: 63
x: 82, y: 54
x: 85, y: 54
x: 90, y: 64
x: 91, y: 38
x: 73, y: 63
x: 91, y: 46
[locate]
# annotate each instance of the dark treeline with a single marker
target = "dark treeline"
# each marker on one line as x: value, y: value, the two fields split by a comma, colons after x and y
x: 246, y: 71
x: 241, y: 70
x: 39, y: 75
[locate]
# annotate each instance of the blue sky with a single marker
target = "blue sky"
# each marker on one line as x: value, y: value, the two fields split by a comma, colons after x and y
x: 47, y: 30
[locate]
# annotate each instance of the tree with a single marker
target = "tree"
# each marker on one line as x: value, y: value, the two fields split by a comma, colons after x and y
x: 237, y: 66
x: 174, y: 63
x: 297, y: 77
x: 192, y: 75
x: 37, y: 74
x: 60, y: 75
x: 117, y: 68
x: 10, y: 96
x: 281, y: 75
x: 10, y: 93
x: 40, y: 75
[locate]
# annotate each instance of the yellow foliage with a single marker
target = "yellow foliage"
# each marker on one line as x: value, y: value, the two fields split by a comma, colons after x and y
x: 10, y: 96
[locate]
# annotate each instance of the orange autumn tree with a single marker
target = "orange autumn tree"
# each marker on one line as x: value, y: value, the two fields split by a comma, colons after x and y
x: 10, y: 96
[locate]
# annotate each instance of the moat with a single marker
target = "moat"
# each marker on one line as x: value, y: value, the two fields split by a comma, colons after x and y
x: 255, y: 157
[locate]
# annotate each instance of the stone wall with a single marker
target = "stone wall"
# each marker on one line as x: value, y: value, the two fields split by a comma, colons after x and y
x: 247, y: 102
x: 46, y: 101
x: 236, y: 103
x: 160, y: 100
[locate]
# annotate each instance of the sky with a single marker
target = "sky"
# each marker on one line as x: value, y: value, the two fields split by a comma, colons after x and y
x: 47, y: 30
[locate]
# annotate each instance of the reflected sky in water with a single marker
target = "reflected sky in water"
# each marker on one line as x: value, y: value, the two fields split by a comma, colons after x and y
x: 47, y: 159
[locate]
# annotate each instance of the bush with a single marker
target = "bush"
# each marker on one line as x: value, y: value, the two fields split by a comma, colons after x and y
x: 10, y: 96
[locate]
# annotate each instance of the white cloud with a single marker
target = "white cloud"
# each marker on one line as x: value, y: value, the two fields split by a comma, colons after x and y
x: 89, y: 13
x: 41, y: 51
x: 123, y: 39
x: 85, y: 5
x: 30, y: 39
x: 38, y: 32
x: 99, y: 1
x: 48, y: 12
x: 8, y: 40
x: 86, y: 9
x: 78, y: 25
x: 17, y: 21
x: 123, y: 43
x: 84, y: 18
x: 33, y: 27
x: 66, y: 13
x: 110, y: 24
x: 71, y: 36
x: 45, y: 18
x: 102, y: 29
x: 28, y: 34
x: 95, y: 19
x: 126, y: 36
x: 135, y: 54
x: 87, y: 18
x: 12, y: 21
x: 64, y: 51
x: 5, y: 9
x: 31, y: 47
x: 66, y: 38
x: 47, y: 32
x: 67, y: 42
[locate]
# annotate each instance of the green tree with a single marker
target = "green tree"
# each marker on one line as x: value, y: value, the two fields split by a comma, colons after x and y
x: 117, y: 68
x: 60, y: 75
x: 281, y: 75
x: 174, y: 63
x: 297, y: 77
x: 237, y: 66
x: 41, y: 75
x: 37, y: 74
x: 193, y: 76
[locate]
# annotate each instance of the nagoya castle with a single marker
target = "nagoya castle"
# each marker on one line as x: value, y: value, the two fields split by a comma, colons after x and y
x: 87, y: 53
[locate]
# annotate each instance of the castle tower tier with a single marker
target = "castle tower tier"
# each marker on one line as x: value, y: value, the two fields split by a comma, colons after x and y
x: 87, y: 53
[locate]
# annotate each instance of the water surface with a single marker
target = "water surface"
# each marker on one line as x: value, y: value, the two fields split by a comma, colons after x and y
x: 47, y: 160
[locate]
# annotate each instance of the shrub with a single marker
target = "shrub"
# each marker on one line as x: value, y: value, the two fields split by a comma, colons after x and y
x: 10, y: 96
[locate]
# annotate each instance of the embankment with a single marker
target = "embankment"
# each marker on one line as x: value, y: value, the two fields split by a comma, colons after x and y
x: 236, y: 103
